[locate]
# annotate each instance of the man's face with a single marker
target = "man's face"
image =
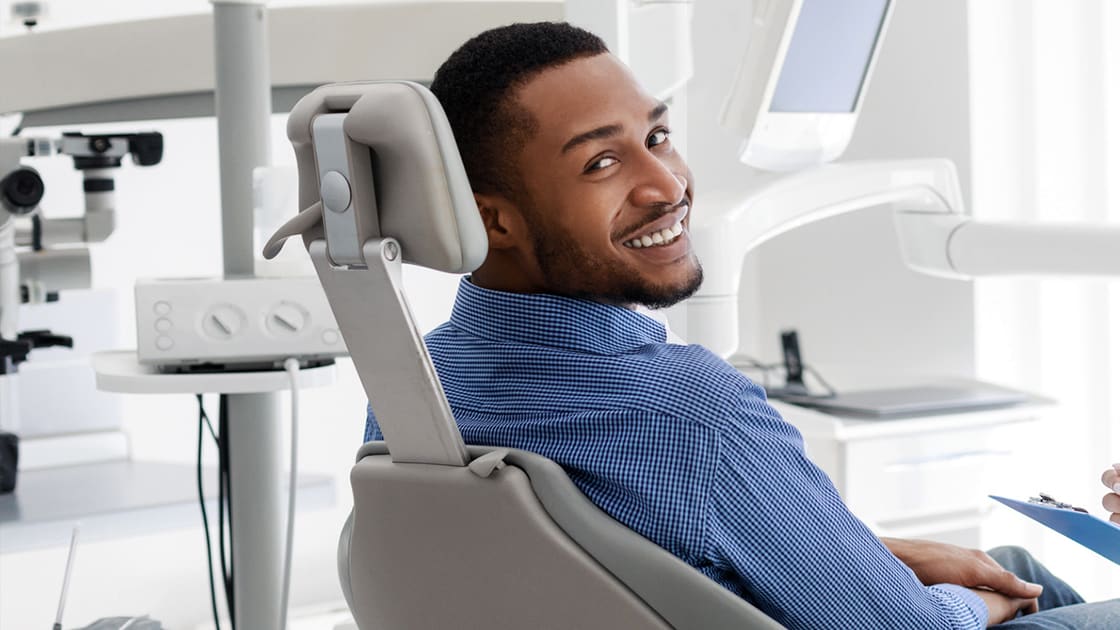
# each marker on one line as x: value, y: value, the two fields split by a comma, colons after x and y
x: 606, y: 196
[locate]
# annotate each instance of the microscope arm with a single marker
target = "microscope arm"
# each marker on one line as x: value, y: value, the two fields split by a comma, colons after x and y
x: 9, y: 279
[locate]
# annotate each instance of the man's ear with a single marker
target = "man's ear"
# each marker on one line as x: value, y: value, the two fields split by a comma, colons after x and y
x: 505, y: 227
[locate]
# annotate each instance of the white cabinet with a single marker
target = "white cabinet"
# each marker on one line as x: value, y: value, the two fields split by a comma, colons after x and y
x: 921, y: 477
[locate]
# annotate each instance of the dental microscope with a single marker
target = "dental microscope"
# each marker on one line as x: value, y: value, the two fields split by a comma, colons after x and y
x: 39, y: 256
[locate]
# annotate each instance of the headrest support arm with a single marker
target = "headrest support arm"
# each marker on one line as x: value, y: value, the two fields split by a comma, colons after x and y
x: 381, y: 182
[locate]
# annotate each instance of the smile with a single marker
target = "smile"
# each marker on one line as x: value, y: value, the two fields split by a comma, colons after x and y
x: 658, y: 238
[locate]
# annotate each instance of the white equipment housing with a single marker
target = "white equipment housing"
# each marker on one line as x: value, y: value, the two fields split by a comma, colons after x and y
x: 246, y: 321
x: 803, y: 127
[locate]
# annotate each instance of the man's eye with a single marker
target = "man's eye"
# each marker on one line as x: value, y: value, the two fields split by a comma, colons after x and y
x: 661, y: 136
x: 601, y: 164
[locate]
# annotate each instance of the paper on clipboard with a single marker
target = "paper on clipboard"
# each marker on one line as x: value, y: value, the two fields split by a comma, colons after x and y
x: 1099, y: 535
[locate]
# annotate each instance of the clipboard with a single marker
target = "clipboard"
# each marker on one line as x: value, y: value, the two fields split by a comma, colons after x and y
x: 1099, y: 535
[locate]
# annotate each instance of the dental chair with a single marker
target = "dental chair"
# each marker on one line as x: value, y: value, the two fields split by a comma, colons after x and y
x: 444, y: 535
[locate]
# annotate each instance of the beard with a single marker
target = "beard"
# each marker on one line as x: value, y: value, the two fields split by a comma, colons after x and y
x: 571, y: 270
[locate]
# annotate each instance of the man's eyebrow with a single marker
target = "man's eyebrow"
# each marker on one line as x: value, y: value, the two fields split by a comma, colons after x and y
x: 598, y: 133
x: 607, y: 131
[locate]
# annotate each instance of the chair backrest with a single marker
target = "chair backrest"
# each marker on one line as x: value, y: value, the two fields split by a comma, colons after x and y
x: 443, y: 535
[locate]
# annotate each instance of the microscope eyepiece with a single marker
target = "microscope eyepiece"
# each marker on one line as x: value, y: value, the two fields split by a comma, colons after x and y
x: 21, y: 190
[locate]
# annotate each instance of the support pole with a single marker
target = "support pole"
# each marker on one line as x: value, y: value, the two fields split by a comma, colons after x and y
x: 242, y: 101
x: 242, y: 94
x: 257, y: 470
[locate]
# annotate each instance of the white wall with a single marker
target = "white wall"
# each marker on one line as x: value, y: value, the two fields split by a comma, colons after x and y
x: 1046, y: 113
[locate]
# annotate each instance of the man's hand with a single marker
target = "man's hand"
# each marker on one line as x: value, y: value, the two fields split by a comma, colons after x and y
x: 1002, y: 608
x: 1111, y: 502
x: 940, y: 563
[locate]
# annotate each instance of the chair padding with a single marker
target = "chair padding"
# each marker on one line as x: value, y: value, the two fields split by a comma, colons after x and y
x: 681, y: 596
x: 423, y: 197
x: 443, y: 548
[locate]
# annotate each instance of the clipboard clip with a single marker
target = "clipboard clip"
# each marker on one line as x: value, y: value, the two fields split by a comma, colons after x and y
x: 1047, y: 500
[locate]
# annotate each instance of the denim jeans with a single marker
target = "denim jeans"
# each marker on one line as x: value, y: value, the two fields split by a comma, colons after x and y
x: 1060, y: 607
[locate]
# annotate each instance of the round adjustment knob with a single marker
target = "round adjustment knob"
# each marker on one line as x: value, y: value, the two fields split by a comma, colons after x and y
x: 330, y: 337
x: 287, y: 319
x: 163, y: 324
x: 223, y: 322
x: 163, y: 342
x: 335, y: 191
x: 161, y: 308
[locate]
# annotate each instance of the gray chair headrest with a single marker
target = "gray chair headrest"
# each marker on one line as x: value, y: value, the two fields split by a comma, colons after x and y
x: 417, y: 191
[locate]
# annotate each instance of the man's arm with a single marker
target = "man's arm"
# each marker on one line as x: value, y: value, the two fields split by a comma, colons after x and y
x: 1111, y: 502
x: 776, y: 520
x: 1002, y: 608
x: 940, y: 563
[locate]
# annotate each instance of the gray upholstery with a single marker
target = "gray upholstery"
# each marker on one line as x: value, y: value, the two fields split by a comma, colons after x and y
x: 523, y: 548
x: 421, y: 197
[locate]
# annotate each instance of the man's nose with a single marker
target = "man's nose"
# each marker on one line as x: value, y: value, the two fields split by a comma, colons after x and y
x: 657, y: 183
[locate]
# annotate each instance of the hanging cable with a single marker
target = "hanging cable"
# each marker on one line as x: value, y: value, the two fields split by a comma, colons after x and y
x: 291, y: 366
x: 203, y: 421
x: 225, y: 512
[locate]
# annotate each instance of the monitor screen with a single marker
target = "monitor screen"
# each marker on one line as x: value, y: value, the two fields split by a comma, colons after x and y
x: 828, y: 56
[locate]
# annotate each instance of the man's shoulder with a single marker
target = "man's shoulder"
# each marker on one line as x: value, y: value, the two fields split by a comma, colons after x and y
x: 691, y: 364
x: 695, y: 378
x: 682, y: 381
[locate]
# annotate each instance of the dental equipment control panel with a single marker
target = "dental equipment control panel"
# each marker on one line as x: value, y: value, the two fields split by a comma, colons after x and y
x: 214, y: 324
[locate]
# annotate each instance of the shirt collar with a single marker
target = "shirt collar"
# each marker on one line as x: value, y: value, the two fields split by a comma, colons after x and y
x: 552, y: 320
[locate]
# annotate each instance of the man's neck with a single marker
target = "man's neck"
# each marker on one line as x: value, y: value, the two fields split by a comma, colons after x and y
x: 486, y: 279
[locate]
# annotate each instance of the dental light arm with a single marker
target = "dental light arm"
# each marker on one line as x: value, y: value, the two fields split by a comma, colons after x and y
x: 955, y: 246
x: 726, y: 227
x: 935, y: 235
x: 381, y: 182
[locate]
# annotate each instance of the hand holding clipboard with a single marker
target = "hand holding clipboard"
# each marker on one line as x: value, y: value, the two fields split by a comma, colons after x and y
x: 1111, y: 502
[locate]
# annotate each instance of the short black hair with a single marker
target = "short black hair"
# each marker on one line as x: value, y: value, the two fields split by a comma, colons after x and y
x: 474, y: 87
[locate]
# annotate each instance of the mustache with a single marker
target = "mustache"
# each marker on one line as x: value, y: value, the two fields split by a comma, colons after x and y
x: 655, y: 213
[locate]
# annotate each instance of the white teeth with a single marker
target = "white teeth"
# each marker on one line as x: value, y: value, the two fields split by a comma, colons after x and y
x: 660, y: 237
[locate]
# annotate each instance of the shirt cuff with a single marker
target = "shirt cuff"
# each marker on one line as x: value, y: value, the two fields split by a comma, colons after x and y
x: 975, y: 605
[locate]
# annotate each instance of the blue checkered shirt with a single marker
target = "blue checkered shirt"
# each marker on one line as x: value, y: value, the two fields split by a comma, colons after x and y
x: 675, y: 443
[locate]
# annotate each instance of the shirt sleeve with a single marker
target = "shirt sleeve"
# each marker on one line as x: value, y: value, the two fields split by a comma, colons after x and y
x: 777, y: 522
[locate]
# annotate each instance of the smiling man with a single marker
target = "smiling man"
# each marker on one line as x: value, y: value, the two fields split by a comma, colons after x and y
x: 586, y: 205
x: 593, y: 200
